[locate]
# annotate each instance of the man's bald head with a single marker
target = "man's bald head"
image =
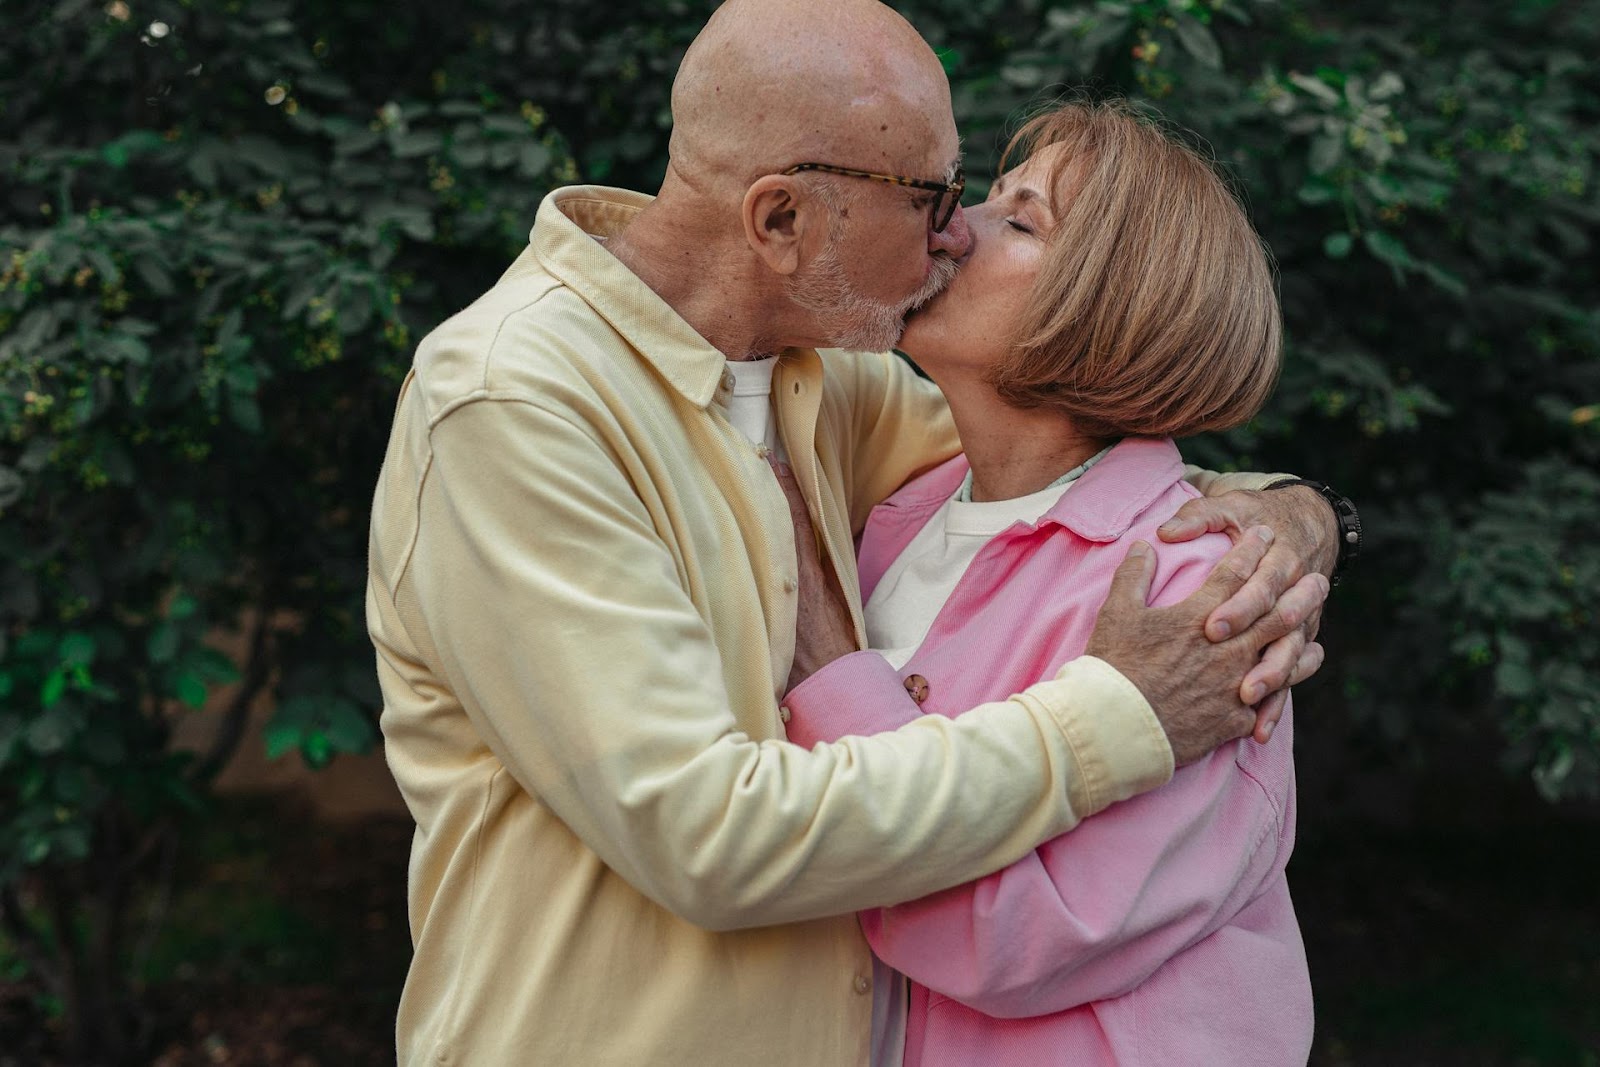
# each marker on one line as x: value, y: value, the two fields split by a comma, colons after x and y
x: 758, y: 260
x: 771, y: 83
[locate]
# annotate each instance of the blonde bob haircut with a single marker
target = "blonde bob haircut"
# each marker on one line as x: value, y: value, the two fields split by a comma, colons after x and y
x: 1155, y: 311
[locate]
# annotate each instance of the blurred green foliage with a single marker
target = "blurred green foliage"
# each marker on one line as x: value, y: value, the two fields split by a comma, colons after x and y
x: 223, y: 227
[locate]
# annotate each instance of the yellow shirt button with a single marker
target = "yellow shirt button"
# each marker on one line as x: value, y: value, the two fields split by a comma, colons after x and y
x: 862, y: 984
x: 784, y: 713
x: 790, y: 585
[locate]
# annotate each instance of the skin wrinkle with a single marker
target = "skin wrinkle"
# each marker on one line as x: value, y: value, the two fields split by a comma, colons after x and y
x: 756, y: 261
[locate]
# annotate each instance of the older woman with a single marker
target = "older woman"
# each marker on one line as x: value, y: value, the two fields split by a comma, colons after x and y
x: 1115, y: 297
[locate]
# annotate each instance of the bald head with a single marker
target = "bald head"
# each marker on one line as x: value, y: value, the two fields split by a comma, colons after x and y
x: 757, y: 260
x: 771, y: 83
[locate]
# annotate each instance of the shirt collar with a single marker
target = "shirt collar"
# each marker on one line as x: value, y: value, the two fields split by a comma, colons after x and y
x: 1101, y: 505
x: 563, y: 240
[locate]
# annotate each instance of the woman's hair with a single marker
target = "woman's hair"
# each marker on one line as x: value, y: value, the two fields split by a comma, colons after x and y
x: 1155, y: 312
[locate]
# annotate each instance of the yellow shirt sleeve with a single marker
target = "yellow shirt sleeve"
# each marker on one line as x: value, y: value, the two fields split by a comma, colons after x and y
x: 560, y: 622
x: 1211, y: 483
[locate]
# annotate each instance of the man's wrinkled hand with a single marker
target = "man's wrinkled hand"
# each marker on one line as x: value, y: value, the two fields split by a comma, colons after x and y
x: 1305, y: 541
x: 1192, y: 681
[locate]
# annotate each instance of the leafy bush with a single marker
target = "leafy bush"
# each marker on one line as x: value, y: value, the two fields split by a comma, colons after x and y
x: 224, y: 226
x: 223, y: 231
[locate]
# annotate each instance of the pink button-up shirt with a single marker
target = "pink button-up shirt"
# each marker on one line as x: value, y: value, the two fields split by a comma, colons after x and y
x: 1159, y: 931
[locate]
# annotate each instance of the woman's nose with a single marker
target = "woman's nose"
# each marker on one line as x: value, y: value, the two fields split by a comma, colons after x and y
x: 954, y: 239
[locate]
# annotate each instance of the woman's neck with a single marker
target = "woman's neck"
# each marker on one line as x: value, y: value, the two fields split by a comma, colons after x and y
x: 1014, y: 452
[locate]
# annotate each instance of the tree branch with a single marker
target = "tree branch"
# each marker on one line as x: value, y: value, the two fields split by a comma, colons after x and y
x: 231, y: 730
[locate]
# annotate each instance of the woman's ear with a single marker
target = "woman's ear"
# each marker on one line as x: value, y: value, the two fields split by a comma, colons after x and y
x: 776, y: 213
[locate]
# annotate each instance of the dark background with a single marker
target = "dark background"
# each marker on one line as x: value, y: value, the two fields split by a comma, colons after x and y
x: 224, y: 225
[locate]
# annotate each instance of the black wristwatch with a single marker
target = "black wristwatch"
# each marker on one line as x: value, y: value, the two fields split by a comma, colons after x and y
x: 1344, y: 516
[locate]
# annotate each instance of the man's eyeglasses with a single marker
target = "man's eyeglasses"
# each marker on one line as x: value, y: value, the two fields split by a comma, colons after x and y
x: 947, y: 195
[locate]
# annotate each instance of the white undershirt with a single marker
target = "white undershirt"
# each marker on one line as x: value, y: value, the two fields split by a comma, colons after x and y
x: 750, y: 405
x: 921, y: 578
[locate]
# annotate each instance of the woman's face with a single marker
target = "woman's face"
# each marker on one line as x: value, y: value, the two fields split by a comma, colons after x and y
x: 970, y: 325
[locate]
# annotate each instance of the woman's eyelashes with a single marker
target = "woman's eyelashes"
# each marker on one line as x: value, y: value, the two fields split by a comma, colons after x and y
x: 1020, y: 226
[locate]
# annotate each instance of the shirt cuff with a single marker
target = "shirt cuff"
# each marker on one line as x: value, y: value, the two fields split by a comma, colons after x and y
x: 858, y: 694
x: 1116, y: 739
x: 1213, y: 484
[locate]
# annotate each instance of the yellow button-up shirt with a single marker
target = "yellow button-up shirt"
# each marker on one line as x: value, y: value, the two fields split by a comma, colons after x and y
x: 582, y: 594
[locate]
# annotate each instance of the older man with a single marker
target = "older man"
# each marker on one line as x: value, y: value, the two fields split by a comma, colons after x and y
x: 584, y: 589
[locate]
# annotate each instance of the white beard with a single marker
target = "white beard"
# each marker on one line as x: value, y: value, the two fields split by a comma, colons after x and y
x: 849, y: 319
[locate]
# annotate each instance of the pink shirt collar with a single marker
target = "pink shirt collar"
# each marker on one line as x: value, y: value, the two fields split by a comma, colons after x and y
x: 1103, y: 503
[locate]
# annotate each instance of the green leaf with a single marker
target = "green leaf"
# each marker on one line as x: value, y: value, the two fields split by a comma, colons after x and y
x: 1326, y: 151
x: 316, y: 750
x: 154, y: 276
x: 1197, y: 40
x: 77, y: 650
x: 53, y: 689
x: 162, y: 643
x: 533, y: 159
x: 1514, y: 679
x: 416, y: 143
x: 280, y: 737
x: 72, y: 841
x: 191, y: 689
x: 1386, y: 247
x: 245, y: 412
x: 1337, y: 245
x: 1106, y: 30
x: 11, y: 486
x: 348, y: 730
x: 1317, y: 191
x: 1314, y: 87
x: 11, y: 731
x: 49, y: 732
x: 1445, y: 280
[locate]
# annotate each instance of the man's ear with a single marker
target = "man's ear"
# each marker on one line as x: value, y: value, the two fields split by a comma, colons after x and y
x: 777, y: 214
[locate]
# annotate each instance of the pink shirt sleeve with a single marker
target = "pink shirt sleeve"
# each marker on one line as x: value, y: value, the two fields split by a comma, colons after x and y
x: 858, y: 694
x: 1090, y: 914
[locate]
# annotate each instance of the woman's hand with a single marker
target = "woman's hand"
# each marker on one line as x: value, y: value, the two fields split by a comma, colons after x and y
x: 824, y: 630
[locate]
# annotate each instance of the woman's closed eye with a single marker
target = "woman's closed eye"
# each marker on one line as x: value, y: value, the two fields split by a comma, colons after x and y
x: 1021, y: 226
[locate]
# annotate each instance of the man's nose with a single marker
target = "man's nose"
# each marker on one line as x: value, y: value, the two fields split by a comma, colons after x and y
x: 954, y: 239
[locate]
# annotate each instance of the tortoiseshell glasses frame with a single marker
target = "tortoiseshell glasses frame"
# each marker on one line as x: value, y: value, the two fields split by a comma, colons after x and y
x: 946, y: 201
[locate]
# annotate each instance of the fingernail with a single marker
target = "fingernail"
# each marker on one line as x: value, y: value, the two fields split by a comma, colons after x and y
x: 1254, y: 692
x: 1265, y: 533
x: 1139, y: 549
x: 1170, y: 527
x: 1266, y: 731
x: 1220, y: 631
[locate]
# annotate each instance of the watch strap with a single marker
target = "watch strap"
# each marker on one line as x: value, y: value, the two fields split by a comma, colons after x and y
x: 1347, y: 519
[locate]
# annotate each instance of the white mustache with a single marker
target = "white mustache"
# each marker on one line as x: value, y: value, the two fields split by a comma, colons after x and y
x: 943, y: 273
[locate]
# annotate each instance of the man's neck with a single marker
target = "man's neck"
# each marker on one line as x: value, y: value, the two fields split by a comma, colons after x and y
x: 1012, y: 451
x: 697, y: 274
